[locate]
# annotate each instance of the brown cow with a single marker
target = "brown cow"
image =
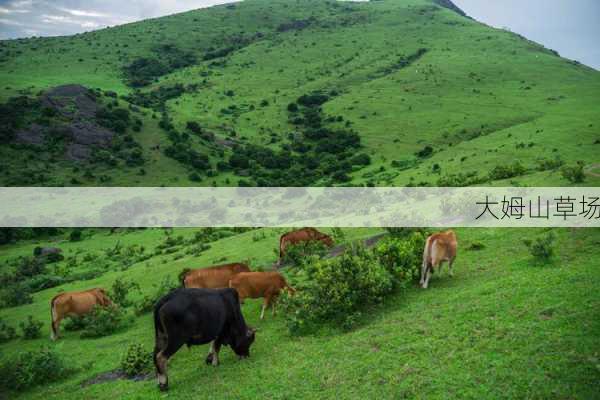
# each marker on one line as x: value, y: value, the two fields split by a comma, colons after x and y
x: 439, y: 247
x: 75, y: 304
x: 301, y: 235
x: 254, y: 285
x: 216, y: 277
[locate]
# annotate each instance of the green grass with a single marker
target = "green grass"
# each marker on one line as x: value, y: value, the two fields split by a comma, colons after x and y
x: 503, y: 327
x: 473, y: 79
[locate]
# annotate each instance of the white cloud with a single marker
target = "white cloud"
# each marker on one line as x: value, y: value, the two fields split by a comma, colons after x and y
x: 83, y: 13
x: 10, y: 22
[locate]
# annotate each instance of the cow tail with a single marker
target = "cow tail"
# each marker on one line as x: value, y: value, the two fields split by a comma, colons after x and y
x: 426, y: 254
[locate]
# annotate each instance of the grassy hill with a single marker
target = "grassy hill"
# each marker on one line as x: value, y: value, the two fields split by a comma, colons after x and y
x: 502, y: 327
x: 423, y: 94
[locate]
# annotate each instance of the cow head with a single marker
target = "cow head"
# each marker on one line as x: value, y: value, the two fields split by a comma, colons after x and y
x: 243, y: 343
x: 327, y: 240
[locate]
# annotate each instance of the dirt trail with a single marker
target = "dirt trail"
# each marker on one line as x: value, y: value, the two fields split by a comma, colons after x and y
x: 589, y: 170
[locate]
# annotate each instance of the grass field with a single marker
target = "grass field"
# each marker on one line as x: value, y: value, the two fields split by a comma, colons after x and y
x: 502, y: 327
x: 480, y: 97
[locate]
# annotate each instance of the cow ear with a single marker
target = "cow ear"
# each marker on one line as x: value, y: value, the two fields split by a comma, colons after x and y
x: 251, y: 331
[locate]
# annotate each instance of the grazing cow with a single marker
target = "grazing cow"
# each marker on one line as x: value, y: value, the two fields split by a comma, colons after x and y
x: 212, y: 277
x: 70, y: 304
x: 439, y: 247
x: 198, y: 316
x: 254, y: 285
x: 299, y: 236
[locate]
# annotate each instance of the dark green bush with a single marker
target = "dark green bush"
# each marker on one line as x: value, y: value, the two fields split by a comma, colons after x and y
x: 30, y: 266
x: 16, y: 295
x: 427, y: 151
x: 104, y: 321
x: 147, y: 303
x: 476, y: 246
x: 75, y: 235
x: 74, y: 323
x: 574, y: 173
x: 542, y: 248
x: 33, y: 368
x: 32, y: 329
x: 136, y: 360
x: 7, y: 332
x: 120, y: 290
x: 507, y: 171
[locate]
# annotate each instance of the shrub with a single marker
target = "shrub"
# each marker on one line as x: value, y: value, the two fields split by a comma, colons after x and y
x: 574, y: 174
x: 507, y: 171
x: 401, y: 257
x: 136, y: 360
x: 75, y: 235
x: 16, y: 295
x: 299, y: 253
x: 103, y: 321
x: 147, y: 303
x: 548, y: 164
x: 120, y: 290
x: 427, y: 151
x: 476, y: 246
x: 33, y: 368
x: 31, y: 266
x: 32, y: 329
x: 336, y: 290
x: 542, y: 248
x: 7, y: 332
x: 74, y: 323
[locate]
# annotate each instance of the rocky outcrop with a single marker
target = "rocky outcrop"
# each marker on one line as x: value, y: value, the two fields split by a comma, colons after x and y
x: 73, y: 101
x: 77, y: 126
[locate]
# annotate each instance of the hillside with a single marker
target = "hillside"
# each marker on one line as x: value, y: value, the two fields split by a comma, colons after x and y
x: 502, y: 327
x: 391, y: 92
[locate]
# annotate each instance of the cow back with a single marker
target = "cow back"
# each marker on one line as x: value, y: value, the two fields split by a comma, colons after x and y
x: 215, y: 277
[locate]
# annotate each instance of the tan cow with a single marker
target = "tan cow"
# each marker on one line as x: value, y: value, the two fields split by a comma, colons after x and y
x: 254, y: 285
x: 439, y: 247
x: 299, y: 236
x: 216, y: 277
x: 71, y: 304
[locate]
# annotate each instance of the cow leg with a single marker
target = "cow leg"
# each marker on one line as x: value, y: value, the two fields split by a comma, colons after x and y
x: 424, y: 269
x: 427, y: 277
x: 273, y: 303
x: 450, y: 262
x: 161, y: 359
x: 160, y: 362
x: 266, y: 303
x: 213, y: 353
x: 55, y: 328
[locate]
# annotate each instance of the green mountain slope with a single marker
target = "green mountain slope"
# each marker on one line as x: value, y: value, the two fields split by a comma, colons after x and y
x: 414, y: 93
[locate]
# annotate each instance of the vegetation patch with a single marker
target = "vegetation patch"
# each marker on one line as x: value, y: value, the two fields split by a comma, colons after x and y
x: 33, y: 368
x: 335, y: 292
x: 166, y: 58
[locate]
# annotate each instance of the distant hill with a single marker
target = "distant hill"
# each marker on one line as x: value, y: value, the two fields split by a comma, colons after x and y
x: 274, y: 92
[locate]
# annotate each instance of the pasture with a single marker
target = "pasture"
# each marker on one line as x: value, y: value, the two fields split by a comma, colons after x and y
x: 503, y: 327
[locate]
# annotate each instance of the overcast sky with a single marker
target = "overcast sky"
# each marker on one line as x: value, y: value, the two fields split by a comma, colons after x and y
x: 572, y: 27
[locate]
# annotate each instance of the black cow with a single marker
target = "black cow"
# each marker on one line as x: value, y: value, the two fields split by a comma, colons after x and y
x: 199, y: 316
